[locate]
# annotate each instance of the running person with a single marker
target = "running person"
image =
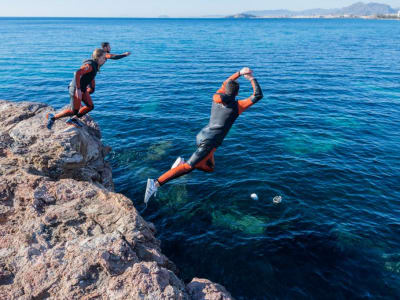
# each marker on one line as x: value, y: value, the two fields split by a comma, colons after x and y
x: 80, y: 88
x: 106, y: 47
x: 225, y: 109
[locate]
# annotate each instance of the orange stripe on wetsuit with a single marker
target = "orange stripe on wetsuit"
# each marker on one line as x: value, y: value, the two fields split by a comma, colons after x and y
x: 115, y: 56
x: 257, y: 95
x: 85, y: 69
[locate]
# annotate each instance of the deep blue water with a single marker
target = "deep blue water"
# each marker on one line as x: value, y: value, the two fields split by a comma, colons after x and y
x: 325, y: 137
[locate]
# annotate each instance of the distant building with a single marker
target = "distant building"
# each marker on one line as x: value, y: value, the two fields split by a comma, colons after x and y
x: 398, y: 14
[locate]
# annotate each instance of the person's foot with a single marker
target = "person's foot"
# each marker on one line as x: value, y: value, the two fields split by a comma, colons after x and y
x: 151, y: 189
x: 73, y: 122
x: 50, y: 120
x: 179, y: 161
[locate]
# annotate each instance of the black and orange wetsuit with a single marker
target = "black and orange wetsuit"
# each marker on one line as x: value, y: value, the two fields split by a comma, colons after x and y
x: 83, y: 80
x: 224, y: 111
x: 115, y: 56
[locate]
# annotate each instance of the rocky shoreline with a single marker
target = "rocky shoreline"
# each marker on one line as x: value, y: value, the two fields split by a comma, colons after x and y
x: 64, y: 233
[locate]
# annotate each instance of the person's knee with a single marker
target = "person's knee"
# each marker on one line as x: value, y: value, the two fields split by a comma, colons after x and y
x: 187, y: 167
x: 210, y: 164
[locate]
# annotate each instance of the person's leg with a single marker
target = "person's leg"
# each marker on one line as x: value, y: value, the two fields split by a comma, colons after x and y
x: 203, y: 153
x: 153, y: 185
x: 174, y: 173
x: 73, y: 110
x: 202, y: 159
x: 87, y: 99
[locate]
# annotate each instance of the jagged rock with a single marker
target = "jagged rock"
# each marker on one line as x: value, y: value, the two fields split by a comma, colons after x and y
x: 205, y: 289
x: 64, y: 233
x: 63, y: 152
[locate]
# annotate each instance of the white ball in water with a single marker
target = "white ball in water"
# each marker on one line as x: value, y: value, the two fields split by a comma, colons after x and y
x: 277, y: 199
x: 254, y: 196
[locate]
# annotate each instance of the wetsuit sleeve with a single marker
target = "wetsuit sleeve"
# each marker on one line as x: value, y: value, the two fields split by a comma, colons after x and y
x: 232, y: 77
x: 115, y: 56
x: 83, y: 70
x: 257, y: 96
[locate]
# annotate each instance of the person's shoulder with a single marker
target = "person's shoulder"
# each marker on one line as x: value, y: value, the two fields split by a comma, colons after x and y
x: 87, y: 65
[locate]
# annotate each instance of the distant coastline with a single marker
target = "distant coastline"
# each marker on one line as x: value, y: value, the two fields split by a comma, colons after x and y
x: 385, y: 17
x: 357, y: 10
x: 209, y: 18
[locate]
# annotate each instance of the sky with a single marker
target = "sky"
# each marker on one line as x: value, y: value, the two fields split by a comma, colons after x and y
x: 156, y: 8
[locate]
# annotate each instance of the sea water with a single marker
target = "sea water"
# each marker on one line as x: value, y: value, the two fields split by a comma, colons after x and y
x: 325, y: 138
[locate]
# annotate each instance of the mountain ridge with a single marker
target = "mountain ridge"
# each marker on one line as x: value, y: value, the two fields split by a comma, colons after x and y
x: 356, y: 9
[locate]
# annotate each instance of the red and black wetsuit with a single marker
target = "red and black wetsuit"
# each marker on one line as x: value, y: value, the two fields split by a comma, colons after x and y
x: 84, y: 79
x: 224, y: 111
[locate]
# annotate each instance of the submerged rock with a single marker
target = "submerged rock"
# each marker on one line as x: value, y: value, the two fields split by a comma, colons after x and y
x: 64, y: 233
x: 392, y: 262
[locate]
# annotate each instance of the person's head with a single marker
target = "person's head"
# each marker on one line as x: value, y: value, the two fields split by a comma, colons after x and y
x: 232, y: 88
x: 106, y: 46
x: 99, y: 56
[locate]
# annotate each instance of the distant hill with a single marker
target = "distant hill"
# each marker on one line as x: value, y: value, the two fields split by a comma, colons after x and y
x: 370, y: 9
x: 356, y: 9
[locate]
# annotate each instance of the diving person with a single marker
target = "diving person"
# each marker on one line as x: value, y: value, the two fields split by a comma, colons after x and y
x: 224, y: 111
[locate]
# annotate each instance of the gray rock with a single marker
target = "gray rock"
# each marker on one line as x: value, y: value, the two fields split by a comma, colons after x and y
x: 64, y: 233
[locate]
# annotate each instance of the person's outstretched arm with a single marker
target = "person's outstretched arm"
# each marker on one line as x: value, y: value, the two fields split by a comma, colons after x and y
x: 257, y: 94
x: 117, y: 56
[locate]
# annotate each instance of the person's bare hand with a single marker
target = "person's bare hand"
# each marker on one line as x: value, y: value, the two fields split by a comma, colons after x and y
x: 245, y: 70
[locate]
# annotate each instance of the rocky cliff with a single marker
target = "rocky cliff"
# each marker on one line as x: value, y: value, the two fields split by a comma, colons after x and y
x: 64, y: 233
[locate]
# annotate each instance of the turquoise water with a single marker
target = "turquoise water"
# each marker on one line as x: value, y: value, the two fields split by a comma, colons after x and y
x: 325, y: 137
